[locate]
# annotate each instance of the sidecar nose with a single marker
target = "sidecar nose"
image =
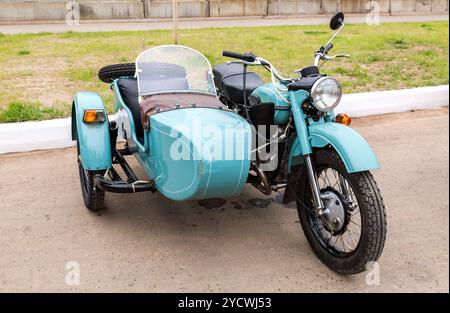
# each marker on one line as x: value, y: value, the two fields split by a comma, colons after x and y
x: 199, y: 153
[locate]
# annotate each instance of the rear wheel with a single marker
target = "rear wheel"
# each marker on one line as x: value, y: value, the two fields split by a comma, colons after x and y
x: 93, y: 197
x: 353, y: 233
x: 109, y: 73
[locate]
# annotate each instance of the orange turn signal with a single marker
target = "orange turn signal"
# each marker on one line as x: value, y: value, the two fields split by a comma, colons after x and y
x: 343, y: 119
x: 94, y: 116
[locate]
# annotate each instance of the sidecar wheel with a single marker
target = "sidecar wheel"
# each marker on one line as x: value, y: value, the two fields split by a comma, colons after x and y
x: 360, y: 241
x: 92, y: 196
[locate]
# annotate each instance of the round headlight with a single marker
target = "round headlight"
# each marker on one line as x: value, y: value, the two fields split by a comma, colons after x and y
x: 326, y: 94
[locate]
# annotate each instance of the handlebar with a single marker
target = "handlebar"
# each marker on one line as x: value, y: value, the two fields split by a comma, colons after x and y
x: 328, y: 47
x: 248, y: 57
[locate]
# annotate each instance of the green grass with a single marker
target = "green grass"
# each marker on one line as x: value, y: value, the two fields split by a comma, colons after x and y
x: 80, y: 74
x: 50, y: 68
x: 33, y: 111
x: 23, y: 52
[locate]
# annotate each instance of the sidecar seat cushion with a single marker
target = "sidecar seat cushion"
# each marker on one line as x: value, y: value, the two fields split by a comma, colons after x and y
x: 229, y: 79
x: 128, y: 89
x: 175, y: 101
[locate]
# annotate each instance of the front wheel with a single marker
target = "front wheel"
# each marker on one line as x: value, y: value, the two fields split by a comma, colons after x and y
x: 352, y: 232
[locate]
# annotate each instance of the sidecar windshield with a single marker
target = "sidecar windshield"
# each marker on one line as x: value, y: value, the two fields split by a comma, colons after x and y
x: 173, y: 68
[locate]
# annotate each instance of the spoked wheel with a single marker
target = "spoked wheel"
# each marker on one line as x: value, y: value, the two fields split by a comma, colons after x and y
x: 352, y: 231
x: 93, y: 197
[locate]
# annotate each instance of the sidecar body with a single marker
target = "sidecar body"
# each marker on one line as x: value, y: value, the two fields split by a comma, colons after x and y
x: 190, y: 145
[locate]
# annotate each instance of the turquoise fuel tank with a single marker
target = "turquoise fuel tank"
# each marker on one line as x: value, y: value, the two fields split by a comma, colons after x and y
x: 198, y: 153
x: 268, y: 94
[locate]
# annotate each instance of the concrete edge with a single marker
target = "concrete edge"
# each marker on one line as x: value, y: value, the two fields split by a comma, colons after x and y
x: 53, y: 134
x: 394, y: 101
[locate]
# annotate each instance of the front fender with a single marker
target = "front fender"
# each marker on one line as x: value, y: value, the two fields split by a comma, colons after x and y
x: 353, y: 149
x: 95, y: 145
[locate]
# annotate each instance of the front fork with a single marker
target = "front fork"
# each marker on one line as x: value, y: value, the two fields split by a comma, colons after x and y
x: 312, y: 177
x: 297, y: 98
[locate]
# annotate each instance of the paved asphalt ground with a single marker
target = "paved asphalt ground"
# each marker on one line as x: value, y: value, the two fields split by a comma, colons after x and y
x: 127, y: 25
x: 144, y: 242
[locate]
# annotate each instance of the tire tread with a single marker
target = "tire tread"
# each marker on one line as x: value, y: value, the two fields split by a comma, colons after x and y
x: 109, y: 73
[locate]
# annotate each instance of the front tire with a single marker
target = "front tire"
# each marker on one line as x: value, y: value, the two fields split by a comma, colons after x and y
x: 363, y: 205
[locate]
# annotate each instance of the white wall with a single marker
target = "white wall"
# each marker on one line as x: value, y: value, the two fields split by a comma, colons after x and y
x: 138, y: 9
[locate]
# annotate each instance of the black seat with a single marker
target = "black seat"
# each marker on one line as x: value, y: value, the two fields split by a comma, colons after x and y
x: 128, y: 89
x: 228, y: 78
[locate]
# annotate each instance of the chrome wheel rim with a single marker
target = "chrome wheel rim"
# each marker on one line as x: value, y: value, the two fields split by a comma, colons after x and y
x: 345, y: 242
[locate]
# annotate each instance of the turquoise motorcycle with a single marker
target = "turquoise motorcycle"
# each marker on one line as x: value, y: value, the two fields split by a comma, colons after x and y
x: 202, y: 133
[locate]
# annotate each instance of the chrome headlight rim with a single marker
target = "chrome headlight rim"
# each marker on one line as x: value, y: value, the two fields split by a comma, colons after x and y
x: 313, y: 94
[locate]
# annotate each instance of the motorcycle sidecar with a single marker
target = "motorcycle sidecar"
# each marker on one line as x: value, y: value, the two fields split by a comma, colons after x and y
x: 190, y: 145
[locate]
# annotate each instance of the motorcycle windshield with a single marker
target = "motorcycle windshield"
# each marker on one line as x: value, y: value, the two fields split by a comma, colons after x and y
x: 172, y: 68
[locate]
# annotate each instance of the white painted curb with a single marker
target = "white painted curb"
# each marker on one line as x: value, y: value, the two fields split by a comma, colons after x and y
x: 52, y: 134
x: 29, y: 136
x: 394, y: 101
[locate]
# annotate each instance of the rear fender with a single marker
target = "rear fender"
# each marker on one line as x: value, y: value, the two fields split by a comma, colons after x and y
x: 93, y: 139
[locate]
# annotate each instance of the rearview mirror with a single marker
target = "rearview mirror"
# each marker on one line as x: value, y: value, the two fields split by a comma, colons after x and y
x: 337, y: 21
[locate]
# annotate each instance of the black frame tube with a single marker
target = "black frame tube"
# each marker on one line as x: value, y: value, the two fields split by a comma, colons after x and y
x: 116, y: 184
